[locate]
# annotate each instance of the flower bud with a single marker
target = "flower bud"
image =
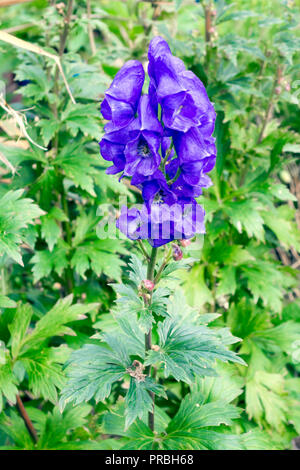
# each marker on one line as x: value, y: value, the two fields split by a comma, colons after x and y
x: 60, y: 7
x: 185, y: 243
x: 278, y: 90
x: 149, y: 285
x: 177, y: 252
x: 287, y: 87
x: 285, y: 176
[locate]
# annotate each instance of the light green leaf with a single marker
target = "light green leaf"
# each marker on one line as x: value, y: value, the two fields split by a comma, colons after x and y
x: 19, y: 326
x: 6, y: 302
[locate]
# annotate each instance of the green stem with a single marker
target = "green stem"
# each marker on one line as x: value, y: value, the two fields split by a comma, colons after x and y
x: 269, y: 110
x: 166, y: 260
x: 68, y: 232
x: 168, y: 153
x: 143, y: 250
x: 3, y: 286
x: 148, y: 336
x: 151, y: 264
x: 175, y: 177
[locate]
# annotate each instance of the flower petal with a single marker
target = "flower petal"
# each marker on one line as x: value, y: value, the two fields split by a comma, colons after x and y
x: 128, y: 83
x: 147, y: 116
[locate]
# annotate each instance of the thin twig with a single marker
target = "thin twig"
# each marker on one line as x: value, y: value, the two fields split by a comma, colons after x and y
x: 64, y: 201
x: 269, y: 110
x: 62, y: 44
x: 296, y: 264
x: 207, y: 12
x: 65, y: 31
x: 19, y: 119
x: 166, y: 260
x: 143, y: 250
x: 18, y: 27
x: 27, y: 420
x: 7, y: 163
x: 7, y: 3
x: 90, y: 29
x: 10, y: 39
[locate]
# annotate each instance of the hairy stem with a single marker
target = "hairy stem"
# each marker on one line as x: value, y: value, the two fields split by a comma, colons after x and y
x: 148, y: 336
x: 27, y: 420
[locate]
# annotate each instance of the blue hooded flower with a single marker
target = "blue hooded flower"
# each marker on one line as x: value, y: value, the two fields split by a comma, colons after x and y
x: 112, y: 147
x: 196, y: 155
x: 119, y: 108
x: 134, y: 149
x: 180, y: 92
x: 122, y: 97
x: 142, y: 151
x: 154, y: 188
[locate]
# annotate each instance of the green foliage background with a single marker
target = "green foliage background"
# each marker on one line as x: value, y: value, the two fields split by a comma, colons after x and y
x: 58, y: 278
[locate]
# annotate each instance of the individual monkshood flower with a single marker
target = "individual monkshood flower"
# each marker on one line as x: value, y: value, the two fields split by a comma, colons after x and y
x: 180, y: 93
x: 134, y: 149
x: 154, y: 187
x: 182, y: 190
x: 142, y: 151
x: 196, y: 155
x: 112, y: 148
x: 122, y: 97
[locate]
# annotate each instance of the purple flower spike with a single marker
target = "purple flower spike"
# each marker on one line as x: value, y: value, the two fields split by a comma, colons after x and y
x: 166, y: 157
